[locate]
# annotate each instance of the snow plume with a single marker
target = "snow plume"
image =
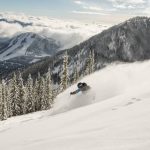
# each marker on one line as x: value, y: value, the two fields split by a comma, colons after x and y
x: 111, y: 82
x: 67, y: 33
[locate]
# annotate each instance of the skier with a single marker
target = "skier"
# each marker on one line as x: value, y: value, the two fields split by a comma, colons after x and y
x: 81, y: 87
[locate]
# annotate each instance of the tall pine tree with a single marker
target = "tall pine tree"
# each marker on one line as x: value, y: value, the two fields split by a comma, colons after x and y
x: 29, y: 102
x: 22, y: 95
x: 14, y: 97
x: 90, y: 63
x: 4, y: 102
x: 64, y: 77
x: 75, y: 74
x: 48, y: 90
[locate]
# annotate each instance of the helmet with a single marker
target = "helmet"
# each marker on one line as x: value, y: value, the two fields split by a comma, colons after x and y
x: 84, y: 84
x: 79, y: 85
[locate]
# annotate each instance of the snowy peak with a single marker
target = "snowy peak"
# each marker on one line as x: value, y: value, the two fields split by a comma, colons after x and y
x: 128, y: 41
x: 137, y: 21
x: 28, y: 44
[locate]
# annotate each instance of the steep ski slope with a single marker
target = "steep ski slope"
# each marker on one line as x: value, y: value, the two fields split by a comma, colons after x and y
x: 117, y: 119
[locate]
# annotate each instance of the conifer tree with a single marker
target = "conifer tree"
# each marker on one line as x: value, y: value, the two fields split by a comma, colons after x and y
x: 14, y: 98
x: 9, y: 102
x: 90, y: 64
x: 92, y: 57
x: 1, y: 101
x: 4, y: 101
x: 29, y: 101
x: 39, y: 93
x: 36, y: 95
x: 22, y: 95
x: 48, y: 90
x: 76, y: 74
x: 64, y: 76
x: 43, y: 100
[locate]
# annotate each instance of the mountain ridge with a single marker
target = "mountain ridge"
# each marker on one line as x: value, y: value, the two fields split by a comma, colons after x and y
x: 126, y: 42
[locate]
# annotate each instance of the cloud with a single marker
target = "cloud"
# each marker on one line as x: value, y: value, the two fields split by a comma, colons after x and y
x: 88, y: 12
x: 8, y: 30
x: 79, y: 2
x: 89, y: 6
x: 128, y: 4
x: 67, y: 33
x: 93, y: 8
x: 129, y: 1
x: 147, y: 11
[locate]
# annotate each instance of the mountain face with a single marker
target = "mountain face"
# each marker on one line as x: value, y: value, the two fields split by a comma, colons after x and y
x: 126, y: 42
x: 24, y: 49
x: 27, y: 44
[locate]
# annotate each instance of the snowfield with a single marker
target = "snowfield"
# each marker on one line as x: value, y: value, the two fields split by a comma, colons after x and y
x: 113, y: 115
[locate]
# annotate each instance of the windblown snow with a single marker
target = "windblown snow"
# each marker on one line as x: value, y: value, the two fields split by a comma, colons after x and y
x: 113, y: 115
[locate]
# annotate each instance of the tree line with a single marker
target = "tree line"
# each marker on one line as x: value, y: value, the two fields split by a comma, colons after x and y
x: 18, y: 97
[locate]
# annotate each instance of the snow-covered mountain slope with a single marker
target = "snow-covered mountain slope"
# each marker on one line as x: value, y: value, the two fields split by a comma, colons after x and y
x: 126, y: 42
x: 28, y: 44
x: 115, y: 115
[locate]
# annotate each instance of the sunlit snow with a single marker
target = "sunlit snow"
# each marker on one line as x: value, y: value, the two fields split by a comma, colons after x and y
x: 113, y: 115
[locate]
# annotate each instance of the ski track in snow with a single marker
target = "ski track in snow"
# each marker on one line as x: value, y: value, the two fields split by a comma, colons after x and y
x: 115, y: 115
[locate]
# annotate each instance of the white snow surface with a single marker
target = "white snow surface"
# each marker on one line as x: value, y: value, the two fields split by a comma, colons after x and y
x: 113, y: 115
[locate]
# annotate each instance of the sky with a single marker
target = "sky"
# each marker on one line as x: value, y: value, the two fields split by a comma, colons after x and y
x: 106, y: 11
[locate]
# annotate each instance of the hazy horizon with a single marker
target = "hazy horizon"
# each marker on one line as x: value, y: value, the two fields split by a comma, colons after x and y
x: 107, y: 12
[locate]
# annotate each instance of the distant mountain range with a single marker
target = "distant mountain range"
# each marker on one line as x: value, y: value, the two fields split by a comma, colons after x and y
x: 24, y: 49
x: 27, y: 39
x: 126, y: 42
x: 27, y: 44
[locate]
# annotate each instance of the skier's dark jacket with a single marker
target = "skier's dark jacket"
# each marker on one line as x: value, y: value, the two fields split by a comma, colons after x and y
x: 81, y: 87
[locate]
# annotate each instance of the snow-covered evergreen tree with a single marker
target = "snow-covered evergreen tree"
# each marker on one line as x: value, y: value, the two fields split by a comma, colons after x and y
x: 36, y: 95
x: 9, y: 102
x: 29, y: 102
x: 14, y: 97
x: 22, y: 94
x: 90, y: 63
x: 43, y: 100
x: 64, y: 76
x: 92, y: 57
x: 75, y: 74
x: 48, y: 90
x: 4, y: 110
x: 1, y: 101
